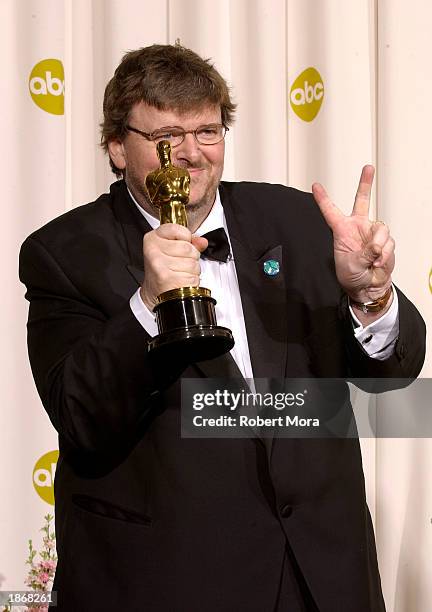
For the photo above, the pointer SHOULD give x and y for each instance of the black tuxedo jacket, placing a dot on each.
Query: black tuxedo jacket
(146, 520)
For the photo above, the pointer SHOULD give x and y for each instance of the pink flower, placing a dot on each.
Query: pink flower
(43, 577)
(48, 565)
(48, 543)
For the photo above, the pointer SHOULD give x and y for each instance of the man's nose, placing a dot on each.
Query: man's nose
(189, 150)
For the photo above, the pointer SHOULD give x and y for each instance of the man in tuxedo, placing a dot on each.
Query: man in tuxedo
(146, 519)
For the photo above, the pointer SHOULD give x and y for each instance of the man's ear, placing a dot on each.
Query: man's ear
(117, 154)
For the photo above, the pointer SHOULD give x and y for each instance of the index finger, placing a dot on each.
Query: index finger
(173, 231)
(362, 199)
(330, 211)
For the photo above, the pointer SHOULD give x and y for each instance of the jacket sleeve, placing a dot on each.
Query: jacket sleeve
(93, 373)
(409, 353)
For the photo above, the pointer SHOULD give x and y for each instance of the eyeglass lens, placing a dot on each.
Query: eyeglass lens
(205, 134)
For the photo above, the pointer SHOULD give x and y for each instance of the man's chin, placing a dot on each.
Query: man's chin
(195, 205)
(201, 198)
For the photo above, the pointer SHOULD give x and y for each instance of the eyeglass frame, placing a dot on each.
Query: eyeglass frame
(151, 138)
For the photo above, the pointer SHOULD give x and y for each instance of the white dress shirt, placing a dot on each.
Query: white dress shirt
(377, 339)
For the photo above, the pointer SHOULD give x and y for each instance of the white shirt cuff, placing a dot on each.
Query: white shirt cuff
(378, 339)
(143, 314)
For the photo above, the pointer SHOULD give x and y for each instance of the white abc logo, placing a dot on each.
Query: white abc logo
(48, 85)
(43, 477)
(307, 94)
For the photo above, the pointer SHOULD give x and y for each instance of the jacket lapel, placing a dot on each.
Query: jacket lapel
(263, 296)
(133, 225)
(137, 273)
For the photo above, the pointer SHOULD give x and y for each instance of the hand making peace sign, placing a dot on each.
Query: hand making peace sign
(363, 249)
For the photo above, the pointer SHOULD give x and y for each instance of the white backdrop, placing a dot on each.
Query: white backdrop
(372, 61)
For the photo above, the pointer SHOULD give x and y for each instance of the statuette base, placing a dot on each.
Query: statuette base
(187, 324)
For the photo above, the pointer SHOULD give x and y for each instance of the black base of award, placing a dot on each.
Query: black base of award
(187, 327)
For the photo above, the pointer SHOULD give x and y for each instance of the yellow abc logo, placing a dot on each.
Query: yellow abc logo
(46, 84)
(43, 476)
(307, 93)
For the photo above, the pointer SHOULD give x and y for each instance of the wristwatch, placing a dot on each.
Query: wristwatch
(375, 305)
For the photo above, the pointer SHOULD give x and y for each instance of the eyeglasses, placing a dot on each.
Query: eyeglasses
(204, 134)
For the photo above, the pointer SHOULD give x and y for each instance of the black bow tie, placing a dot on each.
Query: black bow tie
(218, 246)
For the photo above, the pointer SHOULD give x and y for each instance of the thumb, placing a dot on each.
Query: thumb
(199, 243)
(372, 252)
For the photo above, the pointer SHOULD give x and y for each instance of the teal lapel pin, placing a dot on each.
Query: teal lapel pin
(271, 267)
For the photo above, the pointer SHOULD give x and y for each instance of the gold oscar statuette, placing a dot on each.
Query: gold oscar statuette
(185, 317)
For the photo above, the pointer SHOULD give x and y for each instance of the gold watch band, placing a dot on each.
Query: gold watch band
(376, 305)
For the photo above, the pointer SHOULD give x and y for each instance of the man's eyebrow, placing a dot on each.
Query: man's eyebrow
(179, 127)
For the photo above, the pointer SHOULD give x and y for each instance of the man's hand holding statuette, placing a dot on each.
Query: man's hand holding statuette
(171, 260)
